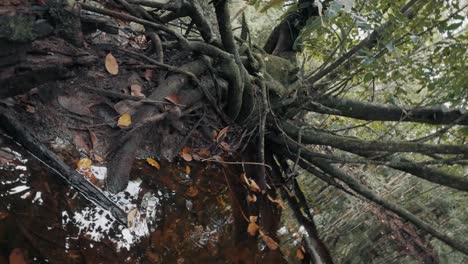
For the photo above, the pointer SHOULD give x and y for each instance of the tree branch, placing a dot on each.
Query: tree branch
(384, 112)
(354, 145)
(310, 158)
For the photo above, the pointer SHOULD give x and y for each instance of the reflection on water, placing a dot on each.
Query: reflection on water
(177, 214)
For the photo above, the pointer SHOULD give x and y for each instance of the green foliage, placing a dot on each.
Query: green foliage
(418, 60)
(263, 6)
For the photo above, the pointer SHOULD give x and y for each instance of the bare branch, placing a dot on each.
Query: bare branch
(355, 145)
(384, 112)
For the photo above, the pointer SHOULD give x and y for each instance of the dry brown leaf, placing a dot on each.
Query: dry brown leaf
(225, 146)
(81, 142)
(278, 202)
(135, 90)
(192, 191)
(153, 163)
(111, 64)
(153, 257)
(30, 109)
(271, 244)
(186, 156)
(93, 137)
(74, 105)
(299, 254)
(173, 98)
(131, 217)
(204, 153)
(187, 150)
(252, 229)
(253, 218)
(124, 120)
(222, 133)
(97, 157)
(196, 157)
(243, 178)
(148, 75)
(126, 106)
(3, 215)
(251, 198)
(253, 186)
(17, 257)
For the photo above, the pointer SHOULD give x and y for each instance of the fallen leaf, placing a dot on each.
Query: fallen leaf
(153, 257)
(251, 198)
(299, 254)
(148, 75)
(253, 186)
(6, 157)
(173, 98)
(196, 157)
(97, 157)
(93, 137)
(135, 90)
(187, 169)
(30, 109)
(186, 157)
(192, 191)
(252, 229)
(84, 163)
(3, 215)
(253, 218)
(187, 150)
(204, 153)
(124, 120)
(222, 133)
(111, 64)
(131, 217)
(126, 106)
(243, 178)
(153, 163)
(225, 146)
(74, 105)
(271, 244)
(17, 257)
(280, 203)
(81, 142)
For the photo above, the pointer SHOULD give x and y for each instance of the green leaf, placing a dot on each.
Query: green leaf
(453, 26)
(368, 77)
(390, 47)
(463, 131)
(272, 3)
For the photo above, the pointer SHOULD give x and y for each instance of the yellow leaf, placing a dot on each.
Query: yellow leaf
(271, 244)
(252, 229)
(84, 163)
(124, 120)
(153, 163)
(111, 64)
